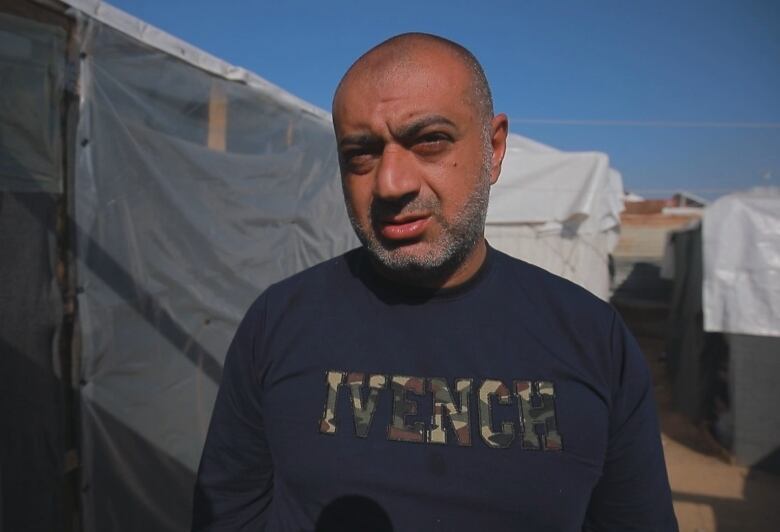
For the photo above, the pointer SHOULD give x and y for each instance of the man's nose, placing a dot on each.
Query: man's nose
(396, 175)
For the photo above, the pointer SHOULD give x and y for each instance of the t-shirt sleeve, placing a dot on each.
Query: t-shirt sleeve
(235, 478)
(633, 492)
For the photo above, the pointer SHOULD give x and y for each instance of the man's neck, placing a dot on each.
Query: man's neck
(448, 278)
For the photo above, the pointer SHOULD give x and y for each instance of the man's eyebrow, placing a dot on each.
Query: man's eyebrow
(410, 130)
(359, 139)
(406, 131)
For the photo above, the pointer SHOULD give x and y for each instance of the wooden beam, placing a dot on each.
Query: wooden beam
(217, 138)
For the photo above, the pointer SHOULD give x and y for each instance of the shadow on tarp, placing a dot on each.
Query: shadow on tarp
(32, 399)
(104, 266)
(122, 283)
(154, 489)
(31, 447)
(113, 274)
(155, 493)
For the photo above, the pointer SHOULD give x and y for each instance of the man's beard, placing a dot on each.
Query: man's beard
(456, 240)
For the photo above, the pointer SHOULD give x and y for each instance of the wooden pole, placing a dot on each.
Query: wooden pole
(217, 137)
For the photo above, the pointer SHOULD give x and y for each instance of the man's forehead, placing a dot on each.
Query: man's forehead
(426, 73)
(396, 107)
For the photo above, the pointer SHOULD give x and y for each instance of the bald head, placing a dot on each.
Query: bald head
(418, 149)
(403, 51)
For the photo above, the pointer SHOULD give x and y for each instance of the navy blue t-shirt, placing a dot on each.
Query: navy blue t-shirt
(516, 401)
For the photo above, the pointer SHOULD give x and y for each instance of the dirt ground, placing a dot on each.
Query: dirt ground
(711, 494)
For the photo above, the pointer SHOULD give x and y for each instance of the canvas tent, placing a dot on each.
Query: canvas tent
(148, 192)
(723, 338)
(741, 235)
(178, 187)
(558, 210)
(741, 299)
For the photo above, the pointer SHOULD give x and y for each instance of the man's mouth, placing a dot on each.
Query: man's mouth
(407, 227)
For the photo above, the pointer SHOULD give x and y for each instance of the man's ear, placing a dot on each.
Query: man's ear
(499, 129)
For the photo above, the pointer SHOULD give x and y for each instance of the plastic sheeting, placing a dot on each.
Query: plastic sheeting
(580, 258)
(31, 394)
(558, 210)
(185, 52)
(741, 234)
(542, 185)
(32, 77)
(32, 399)
(193, 193)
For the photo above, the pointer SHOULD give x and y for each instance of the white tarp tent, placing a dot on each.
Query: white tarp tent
(194, 185)
(724, 327)
(741, 235)
(741, 298)
(558, 210)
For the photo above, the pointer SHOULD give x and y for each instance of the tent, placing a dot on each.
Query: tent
(741, 299)
(723, 338)
(558, 210)
(149, 193)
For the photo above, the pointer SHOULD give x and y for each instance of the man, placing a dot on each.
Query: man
(425, 381)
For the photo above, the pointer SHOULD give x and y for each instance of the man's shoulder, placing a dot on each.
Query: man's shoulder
(548, 290)
(319, 284)
(320, 280)
(327, 270)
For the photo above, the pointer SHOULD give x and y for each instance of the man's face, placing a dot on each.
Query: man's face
(415, 162)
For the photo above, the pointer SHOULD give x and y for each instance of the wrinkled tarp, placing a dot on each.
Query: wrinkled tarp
(32, 64)
(741, 234)
(558, 210)
(174, 241)
(32, 77)
(176, 48)
(31, 394)
(542, 185)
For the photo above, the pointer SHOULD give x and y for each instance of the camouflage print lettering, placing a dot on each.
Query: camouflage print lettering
(333, 379)
(363, 411)
(536, 403)
(443, 404)
(402, 407)
(504, 437)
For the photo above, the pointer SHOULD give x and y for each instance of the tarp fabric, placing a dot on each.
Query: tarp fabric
(32, 78)
(193, 194)
(741, 234)
(32, 66)
(558, 210)
(31, 394)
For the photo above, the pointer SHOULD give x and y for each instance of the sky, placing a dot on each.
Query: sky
(681, 95)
